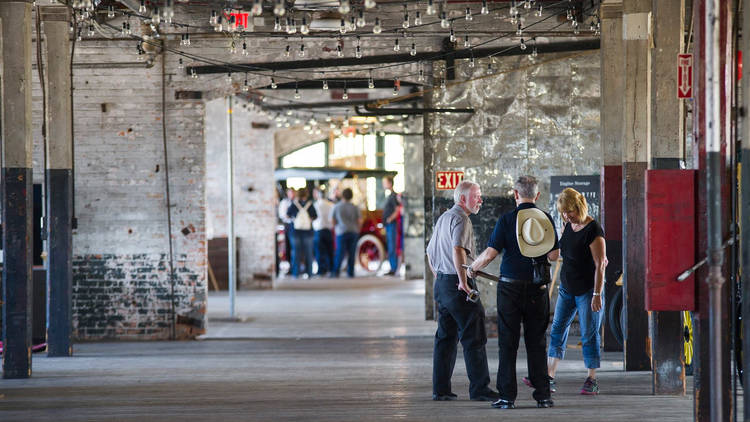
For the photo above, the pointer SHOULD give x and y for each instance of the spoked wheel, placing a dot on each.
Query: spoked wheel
(370, 253)
(615, 316)
(687, 337)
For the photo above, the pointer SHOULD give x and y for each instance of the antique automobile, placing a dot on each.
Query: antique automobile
(371, 250)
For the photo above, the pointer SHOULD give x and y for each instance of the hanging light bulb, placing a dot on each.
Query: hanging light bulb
(125, 31)
(430, 7)
(287, 51)
(469, 16)
(467, 41)
(471, 62)
(213, 20)
(512, 10)
(345, 95)
(489, 67)
(155, 16)
(569, 14)
(277, 24)
(304, 28)
(344, 7)
(180, 64)
(420, 78)
(193, 74)
(396, 84)
(405, 23)
(442, 83)
(245, 51)
(229, 78)
(291, 27)
(358, 52)
(296, 93)
(128, 31)
(485, 10)
(369, 4)
(523, 44)
(325, 85)
(273, 83)
(91, 31)
(339, 51)
(575, 27)
(370, 82)
(539, 10)
(452, 36)
(444, 22)
(278, 8)
(376, 29)
(168, 12)
(519, 29)
(361, 19)
(142, 7)
(352, 24)
(302, 50)
(417, 18)
(110, 11)
(413, 50)
(233, 48)
(527, 4)
(245, 86)
(396, 46)
(342, 26)
(534, 53)
(257, 8)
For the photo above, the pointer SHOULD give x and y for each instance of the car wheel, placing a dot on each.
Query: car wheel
(370, 253)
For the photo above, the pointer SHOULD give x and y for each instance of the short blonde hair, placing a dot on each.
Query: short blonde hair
(572, 200)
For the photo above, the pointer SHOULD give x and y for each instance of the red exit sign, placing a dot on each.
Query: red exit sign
(448, 180)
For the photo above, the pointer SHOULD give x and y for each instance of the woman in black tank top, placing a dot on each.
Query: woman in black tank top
(584, 257)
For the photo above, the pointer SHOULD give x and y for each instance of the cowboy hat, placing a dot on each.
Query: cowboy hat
(535, 233)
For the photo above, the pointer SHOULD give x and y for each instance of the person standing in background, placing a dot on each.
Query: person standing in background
(391, 215)
(287, 222)
(302, 214)
(347, 220)
(323, 240)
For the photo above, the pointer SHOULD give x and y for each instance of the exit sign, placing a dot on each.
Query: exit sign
(448, 180)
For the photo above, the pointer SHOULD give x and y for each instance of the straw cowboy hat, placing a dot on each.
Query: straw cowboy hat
(534, 232)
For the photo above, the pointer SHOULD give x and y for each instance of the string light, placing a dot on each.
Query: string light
(325, 85)
(245, 51)
(344, 7)
(576, 31)
(339, 52)
(467, 41)
(369, 4)
(218, 27)
(396, 46)
(418, 18)
(523, 44)
(534, 53)
(277, 24)
(539, 11)
(396, 84)
(420, 78)
(452, 35)
(345, 95)
(376, 29)
(352, 25)
(444, 20)
(512, 11)
(91, 31)
(257, 8)
(180, 64)
(405, 23)
(469, 16)
(304, 28)
(361, 22)
(110, 11)
(246, 86)
(370, 81)
(358, 49)
(413, 50)
(442, 83)
(527, 4)
(302, 49)
(125, 32)
(291, 27)
(229, 78)
(519, 29)
(155, 16)
(142, 7)
(342, 26)
(288, 51)
(471, 62)
(431, 7)
(193, 74)
(485, 10)
(278, 8)
(297, 96)
(273, 83)
(168, 12)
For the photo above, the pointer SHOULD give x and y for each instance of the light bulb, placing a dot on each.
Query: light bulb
(358, 52)
(527, 4)
(257, 8)
(213, 20)
(352, 25)
(110, 11)
(325, 85)
(296, 93)
(489, 67)
(369, 4)
(471, 62)
(361, 19)
(469, 16)
(420, 78)
(155, 16)
(513, 10)
(233, 48)
(395, 87)
(467, 41)
(344, 7)
(304, 28)
(193, 74)
(292, 27)
(430, 7)
(370, 83)
(418, 18)
(442, 83)
(345, 95)
(534, 53)
(245, 86)
(125, 32)
(339, 52)
(277, 24)
(219, 25)
(405, 23)
(342, 26)
(485, 10)
(180, 64)
(273, 84)
(302, 50)
(287, 51)
(396, 46)
(523, 44)
(444, 20)
(142, 7)
(91, 31)
(278, 8)
(229, 78)
(519, 29)
(413, 50)
(569, 15)
(376, 29)
(245, 51)
(128, 32)
(452, 35)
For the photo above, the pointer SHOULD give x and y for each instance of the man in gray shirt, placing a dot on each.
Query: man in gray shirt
(347, 219)
(458, 319)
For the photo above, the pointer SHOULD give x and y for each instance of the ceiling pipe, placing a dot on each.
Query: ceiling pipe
(330, 104)
(340, 84)
(466, 53)
(408, 111)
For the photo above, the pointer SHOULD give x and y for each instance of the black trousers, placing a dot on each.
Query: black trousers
(458, 320)
(519, 303)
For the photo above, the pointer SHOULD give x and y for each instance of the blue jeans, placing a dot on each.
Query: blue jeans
(323, 245)
(391, 237)
(565, 311)
(346, 244)
(302, 244)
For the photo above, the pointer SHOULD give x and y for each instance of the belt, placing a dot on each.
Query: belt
(514, 280)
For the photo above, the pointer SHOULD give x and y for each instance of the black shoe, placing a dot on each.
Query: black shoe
(503, 404)
(488, 395)
(545, 403)
(444, 397)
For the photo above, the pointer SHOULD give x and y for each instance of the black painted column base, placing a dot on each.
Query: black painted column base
(17, 272)
(59, 262)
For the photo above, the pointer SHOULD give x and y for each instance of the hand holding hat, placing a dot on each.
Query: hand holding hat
(535, 233)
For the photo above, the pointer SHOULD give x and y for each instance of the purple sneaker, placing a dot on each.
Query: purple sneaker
(590, 387)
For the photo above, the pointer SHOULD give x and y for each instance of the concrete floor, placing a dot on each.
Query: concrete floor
(322, 352)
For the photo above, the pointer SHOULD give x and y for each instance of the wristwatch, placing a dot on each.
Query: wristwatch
(597, 294)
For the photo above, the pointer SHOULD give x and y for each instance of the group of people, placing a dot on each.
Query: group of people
(528, 241)
(310, 226)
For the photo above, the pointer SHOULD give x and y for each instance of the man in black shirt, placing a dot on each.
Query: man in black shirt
(390, 221)
(518, 299)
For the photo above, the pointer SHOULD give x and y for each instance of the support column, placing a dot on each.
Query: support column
(59, 182)
(667, 117)
(17, 188)
(744, 214)
(613, 85)
(430, 311)
(706, 366)
(635, 32)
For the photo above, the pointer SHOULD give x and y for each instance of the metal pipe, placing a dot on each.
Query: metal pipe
(715, 252)
(465, 53)
(230, 209)
(744, 216)
(408, 111)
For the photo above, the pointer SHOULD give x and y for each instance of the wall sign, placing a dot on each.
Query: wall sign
(589, 186)
(448, 180)
(684, 76)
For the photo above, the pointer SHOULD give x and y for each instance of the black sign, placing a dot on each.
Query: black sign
(589, 186)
